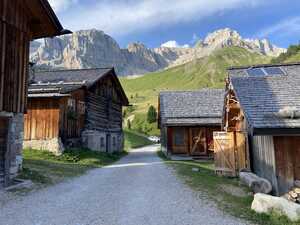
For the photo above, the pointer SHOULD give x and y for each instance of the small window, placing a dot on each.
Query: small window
(102, 142)
(274, 71)
(178, 137)
(256, 72)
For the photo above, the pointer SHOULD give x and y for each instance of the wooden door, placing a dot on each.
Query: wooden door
(179, 140)
(198, 144)
(224, 153)
(283, 147)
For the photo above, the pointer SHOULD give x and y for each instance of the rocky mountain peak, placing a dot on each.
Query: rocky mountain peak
(94, 48)
(222, 36)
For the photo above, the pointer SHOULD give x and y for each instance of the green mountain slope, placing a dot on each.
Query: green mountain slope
(209, 71)
(292, 55)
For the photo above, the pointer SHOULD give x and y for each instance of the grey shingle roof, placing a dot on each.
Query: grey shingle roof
(88, 75)
(60, 82)
(262, 97)
(192, 107)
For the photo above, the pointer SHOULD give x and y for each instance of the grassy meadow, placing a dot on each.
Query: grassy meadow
(207, 72)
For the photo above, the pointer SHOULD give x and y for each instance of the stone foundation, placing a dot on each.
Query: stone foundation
(15, 140)
(54, 145)
(103, 141)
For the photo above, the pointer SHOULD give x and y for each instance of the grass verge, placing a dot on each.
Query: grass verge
(135, 140)
(44, 168)
(227, 193)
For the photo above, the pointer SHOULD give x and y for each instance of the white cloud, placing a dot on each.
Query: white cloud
(119, 17)
(61, 5)
(284, 28)
(173, 44)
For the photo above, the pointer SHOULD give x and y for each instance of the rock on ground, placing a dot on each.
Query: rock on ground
(138, 190)
(255, 183)
(263, 203)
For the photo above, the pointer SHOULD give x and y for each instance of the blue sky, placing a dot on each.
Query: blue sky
(154, 22)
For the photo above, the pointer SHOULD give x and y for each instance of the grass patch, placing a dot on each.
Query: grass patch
(135, 140)
(44, 168)
(214, 187)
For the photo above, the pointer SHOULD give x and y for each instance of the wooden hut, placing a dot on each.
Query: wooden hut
(75, 108)
(21, 22)
(187, 120)
(262, 102)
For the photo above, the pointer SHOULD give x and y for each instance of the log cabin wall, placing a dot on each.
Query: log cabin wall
(103, 124)
(104, 107)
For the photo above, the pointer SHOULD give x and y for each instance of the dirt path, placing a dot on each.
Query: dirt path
(139, 189)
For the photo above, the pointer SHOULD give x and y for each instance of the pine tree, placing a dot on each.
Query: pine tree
(152, 114)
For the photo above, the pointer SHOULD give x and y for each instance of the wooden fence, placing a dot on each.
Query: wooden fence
(231, 153)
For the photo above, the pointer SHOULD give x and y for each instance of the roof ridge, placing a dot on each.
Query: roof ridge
(264, 65)
(193, 91)
(65, 70)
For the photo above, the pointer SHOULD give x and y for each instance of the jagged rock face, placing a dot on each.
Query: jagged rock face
(93, 48)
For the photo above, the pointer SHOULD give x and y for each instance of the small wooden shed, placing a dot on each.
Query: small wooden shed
(75, 108)
(187, 120)
(264, 105)
(20, 22)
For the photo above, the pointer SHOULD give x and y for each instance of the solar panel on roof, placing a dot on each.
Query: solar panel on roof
(274, 71)
(256, 72)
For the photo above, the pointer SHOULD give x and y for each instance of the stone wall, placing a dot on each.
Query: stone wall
(103, 141)
(54, 145)
(15, 143)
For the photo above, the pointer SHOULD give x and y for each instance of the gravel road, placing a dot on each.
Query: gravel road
(137, 190)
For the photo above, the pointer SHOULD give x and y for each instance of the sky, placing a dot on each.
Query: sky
(182, 22)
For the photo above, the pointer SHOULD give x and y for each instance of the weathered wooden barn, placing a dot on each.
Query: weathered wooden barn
(75, 107)
(187, 120)
(21, 22)
(264, 104)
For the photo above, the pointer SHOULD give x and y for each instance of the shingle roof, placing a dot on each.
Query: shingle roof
(60, 82)
(56, 76)
(192, 107)
(263, 97)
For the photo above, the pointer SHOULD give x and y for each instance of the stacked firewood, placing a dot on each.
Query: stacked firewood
(294, 195)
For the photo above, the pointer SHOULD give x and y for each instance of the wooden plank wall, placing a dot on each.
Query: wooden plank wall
(70, 128)
(14, 55)
(42, 119)
(287, 149)
(263, 158)
(230, 153)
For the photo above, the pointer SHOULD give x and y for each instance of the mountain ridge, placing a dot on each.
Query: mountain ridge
(94, 48)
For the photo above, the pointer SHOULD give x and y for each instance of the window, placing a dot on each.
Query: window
(102, 142)
(256, 72)
(81, 107)
(274, 71)
(178, 135)
(71, 104)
